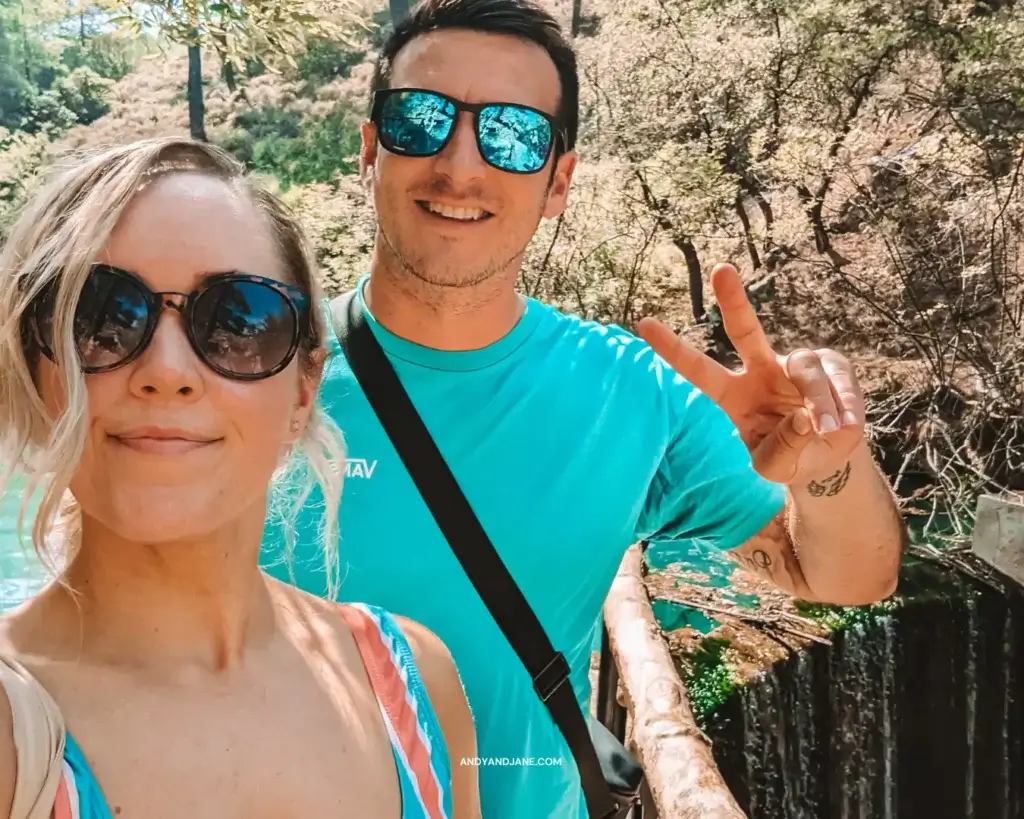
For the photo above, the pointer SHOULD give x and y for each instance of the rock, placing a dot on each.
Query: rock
(998, 537)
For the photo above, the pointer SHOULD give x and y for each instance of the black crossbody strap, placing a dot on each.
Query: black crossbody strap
(471, 545)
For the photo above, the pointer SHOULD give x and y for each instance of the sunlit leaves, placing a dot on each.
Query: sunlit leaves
(240, 31)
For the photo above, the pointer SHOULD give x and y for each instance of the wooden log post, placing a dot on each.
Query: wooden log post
(676, 755)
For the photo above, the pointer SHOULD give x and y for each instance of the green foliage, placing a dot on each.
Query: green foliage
(78, 97)
(49, 82)
(326, 60)
(296, 151)
(109, 57)
(83, 92)
(836, 618)
(239, 32)
(709, 680)
(17, 97)
(22, 156)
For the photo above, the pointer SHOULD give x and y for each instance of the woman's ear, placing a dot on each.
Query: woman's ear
(310, 374)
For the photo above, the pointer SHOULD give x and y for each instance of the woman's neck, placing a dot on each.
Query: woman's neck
(201, 604)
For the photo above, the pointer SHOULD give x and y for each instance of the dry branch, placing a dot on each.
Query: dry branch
(676, 755)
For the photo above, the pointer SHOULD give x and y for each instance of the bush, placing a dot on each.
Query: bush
(110, 57)
(16, 97)
(278, 142)
(22, 156)
(326, 60)
(83, 92)
(48, 114)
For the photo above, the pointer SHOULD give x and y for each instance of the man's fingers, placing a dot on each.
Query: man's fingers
(807, 373)
(739, 317)
(846, 390)
(777, 456)
(706, 374)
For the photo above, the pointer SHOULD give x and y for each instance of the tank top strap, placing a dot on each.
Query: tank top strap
(79, 795)
(416, 738)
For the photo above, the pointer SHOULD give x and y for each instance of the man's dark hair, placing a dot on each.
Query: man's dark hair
(516, 18)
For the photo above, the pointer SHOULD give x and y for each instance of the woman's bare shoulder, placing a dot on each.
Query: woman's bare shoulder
(433, 659)
(438, 671)
(431, 654)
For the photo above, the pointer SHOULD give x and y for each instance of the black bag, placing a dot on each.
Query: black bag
(610, 777)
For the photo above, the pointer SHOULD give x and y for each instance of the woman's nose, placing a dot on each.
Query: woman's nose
(168, 367)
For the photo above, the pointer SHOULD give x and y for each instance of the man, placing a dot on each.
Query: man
(571, 440)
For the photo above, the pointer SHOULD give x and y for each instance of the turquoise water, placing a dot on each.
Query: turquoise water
(716, 570)
(21, 573)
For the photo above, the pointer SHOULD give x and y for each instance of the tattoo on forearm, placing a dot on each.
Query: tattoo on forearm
(832, 485)
(757, 561)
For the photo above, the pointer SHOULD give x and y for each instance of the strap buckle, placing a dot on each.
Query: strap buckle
(549, 678)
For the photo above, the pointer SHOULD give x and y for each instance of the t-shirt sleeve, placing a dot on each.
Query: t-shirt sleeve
(705, 488)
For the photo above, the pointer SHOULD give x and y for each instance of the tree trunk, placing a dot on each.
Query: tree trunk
(696, 279)
(676, 755)
(24, 43)
(748, 237)
(399, 11)
(227, 68)
(754, 192)
(680, 240)
(196, 109)
(228, 73)
(577, 16)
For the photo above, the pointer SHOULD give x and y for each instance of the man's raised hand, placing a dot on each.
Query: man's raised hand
(801, 415)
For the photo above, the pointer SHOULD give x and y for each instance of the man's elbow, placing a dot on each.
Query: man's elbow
(863, 594)
(867, 588)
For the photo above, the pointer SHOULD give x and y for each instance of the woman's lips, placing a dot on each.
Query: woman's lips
(162, 446)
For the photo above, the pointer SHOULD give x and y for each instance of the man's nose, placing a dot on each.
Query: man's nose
(461, 159)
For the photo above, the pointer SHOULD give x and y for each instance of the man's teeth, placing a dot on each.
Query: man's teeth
(463, 214)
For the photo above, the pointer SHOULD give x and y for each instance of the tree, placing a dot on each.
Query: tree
(399, 10)
(235, 31)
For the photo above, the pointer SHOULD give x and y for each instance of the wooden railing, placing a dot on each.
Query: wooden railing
(682, 777)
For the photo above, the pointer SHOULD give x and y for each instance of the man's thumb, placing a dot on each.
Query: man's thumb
(777, 456)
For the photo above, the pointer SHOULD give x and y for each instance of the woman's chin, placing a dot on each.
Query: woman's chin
(159, 515)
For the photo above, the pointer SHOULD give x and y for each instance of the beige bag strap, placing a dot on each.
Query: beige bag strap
(39, 734)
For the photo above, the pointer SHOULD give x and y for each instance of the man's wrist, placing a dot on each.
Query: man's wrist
(834, 483)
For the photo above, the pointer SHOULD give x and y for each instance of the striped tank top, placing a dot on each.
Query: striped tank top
(417, 744)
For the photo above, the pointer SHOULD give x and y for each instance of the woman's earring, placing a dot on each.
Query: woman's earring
(295, 426)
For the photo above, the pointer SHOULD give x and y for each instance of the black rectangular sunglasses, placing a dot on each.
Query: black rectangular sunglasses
(417, 122)
(243, 327)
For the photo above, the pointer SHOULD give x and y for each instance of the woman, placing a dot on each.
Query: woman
(160, 344)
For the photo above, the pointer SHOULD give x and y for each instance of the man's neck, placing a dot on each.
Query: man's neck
(443, 318)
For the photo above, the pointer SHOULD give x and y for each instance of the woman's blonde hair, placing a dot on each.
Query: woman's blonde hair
(58, 236)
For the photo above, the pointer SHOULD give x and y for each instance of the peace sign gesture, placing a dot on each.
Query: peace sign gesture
(801, 415)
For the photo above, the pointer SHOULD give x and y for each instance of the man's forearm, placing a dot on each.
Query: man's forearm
(847, 533)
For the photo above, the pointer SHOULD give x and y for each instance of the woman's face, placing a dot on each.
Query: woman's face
(174, 450)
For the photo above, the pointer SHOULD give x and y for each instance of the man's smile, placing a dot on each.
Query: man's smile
(452, 213)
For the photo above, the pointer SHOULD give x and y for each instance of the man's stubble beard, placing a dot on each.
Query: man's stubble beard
(419, 268)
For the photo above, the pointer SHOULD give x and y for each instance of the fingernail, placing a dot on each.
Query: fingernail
(828, 424)
(849, 419)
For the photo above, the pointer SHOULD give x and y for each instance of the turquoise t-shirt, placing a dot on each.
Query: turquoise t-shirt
(572, 441)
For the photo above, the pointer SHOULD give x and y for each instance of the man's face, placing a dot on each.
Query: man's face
(429, 208)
